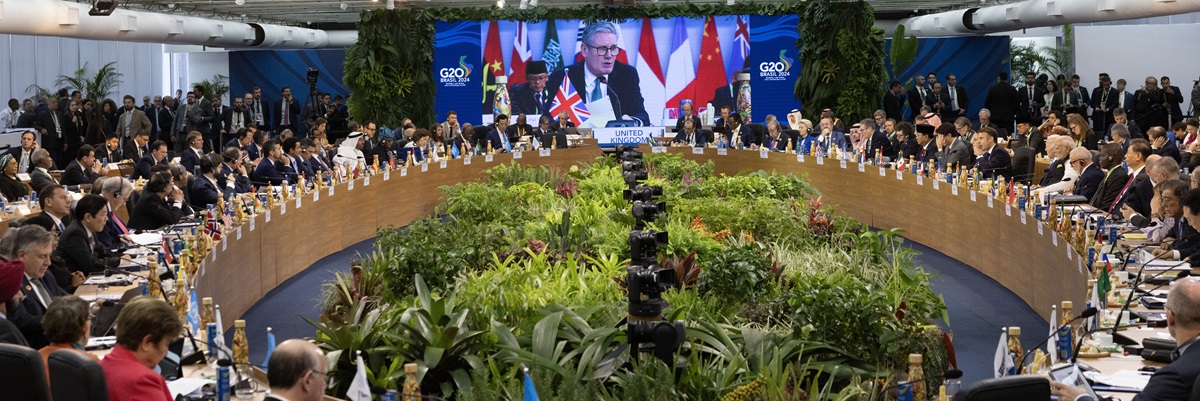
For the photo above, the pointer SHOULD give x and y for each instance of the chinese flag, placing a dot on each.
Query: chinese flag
(710, 71)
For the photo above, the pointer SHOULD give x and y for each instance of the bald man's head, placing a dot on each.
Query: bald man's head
(297, 367)
(1183, 305)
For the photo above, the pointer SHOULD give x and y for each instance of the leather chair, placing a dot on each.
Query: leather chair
(24, 375)
(759, 130)
(1024, 163)
(1025, 387)
(78, 377)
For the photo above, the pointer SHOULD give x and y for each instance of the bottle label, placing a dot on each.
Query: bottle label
(904, 391)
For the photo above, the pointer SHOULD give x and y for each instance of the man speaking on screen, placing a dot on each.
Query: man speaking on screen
(610, 89)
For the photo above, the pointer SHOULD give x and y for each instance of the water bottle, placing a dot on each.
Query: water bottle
(222, 378)
(904, 391)
(145, 287)
(390, 395)
(953, 383)
(212, 342)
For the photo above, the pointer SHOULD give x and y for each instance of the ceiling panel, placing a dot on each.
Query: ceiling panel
(324, 12)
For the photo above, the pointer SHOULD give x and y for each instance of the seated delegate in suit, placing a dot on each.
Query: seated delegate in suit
(1165, 223)
(10, 186)
(877, 141)
(497, 139)
(56, 208)
(562, 122)
(691, 135)
(1174, 381)
(24, 153)
(927, 140)
(1138, 191)
(66, 323)
(182, 179)
(775, 140)
(147, 327)
(829, 138)
(310, 153)
(274, 169)
(953, 152)
(82, 170)
(244, 140)
(39, 176)
(601, 77)
(205, 189)
(686, 114)
(415, 149)
(297, 365)
(516, 129)
(11, 274)
(190, 157)
(233, 176)
(992, 161)
(116, 191)
(1090, 174)
(738, 135)
(1162, 145)
(1116, 176)
(1060, 148)
(161, 204)
(292, 150)
(32, 246)
(909, 147)
(157, 155)
(77, 246)
(111, 151)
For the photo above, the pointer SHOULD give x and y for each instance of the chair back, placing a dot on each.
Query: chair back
(759, 130)
(24, 375)
(74, 376)
(1024, 163)
(1025, 387)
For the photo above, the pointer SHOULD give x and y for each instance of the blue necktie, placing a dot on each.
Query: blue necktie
(596, 92)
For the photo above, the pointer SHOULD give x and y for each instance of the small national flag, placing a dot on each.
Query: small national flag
(1052, 344)
(193, 311)
(567, 99)
(1103, 286)
(530, 391)
(360, 389)
(220, 326)
(1003, 361)
(454, 151)
(1094, 321)
(270, 347)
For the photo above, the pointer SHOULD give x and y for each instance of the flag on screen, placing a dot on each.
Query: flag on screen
(623, 57)
(493, 66)
(270, 347)
(649, 69)
(360, 389)
(741, 46)
(710, 71)
(520, 55)
(1003, 360)
(567, 99)
(1052, 344)
(680, 66)
(551, 50)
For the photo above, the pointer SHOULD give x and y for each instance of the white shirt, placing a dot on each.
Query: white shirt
(590, 80)
(57, 221)
(43, 299)
(8, 117)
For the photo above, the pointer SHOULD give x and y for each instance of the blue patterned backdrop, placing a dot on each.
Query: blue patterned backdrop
(271, 70)
(975, 62)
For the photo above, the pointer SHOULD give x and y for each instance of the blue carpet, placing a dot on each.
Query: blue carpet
(299, 297)
(978, 307)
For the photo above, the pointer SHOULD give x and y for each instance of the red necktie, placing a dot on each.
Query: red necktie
(120, 224)
(1122, 194)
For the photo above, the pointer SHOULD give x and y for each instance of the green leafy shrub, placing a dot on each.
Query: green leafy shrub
(673, 167)
(756, 184)
(434, 249)
(511, 174)
(736, 274)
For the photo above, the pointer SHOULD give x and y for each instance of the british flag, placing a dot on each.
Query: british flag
(569, 100)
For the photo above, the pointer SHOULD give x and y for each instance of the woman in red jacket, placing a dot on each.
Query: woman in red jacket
(144, 329)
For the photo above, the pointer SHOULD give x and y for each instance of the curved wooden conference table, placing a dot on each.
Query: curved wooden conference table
(259, 255)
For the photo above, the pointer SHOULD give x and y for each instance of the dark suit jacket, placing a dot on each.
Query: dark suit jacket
(523, 100)
(44, 220)
(16, 155)
(493, 138)
(10, 334)
(1106, 100)
(143, 166)
(745, 136)
(516, 131)
(893, 105)
(701, 137)
(944, 112)
(293, 115)
(152, 213)
(76, 175)
(779, 144)
(39, 180)
(74, 249)
(995, 163)
(190, 160)
(203, 193)
(1169, 150)
(1089, 181)
(1031, 107)
(1003, 101)
(879, 142)
(964, 100)
(1109, 188)
(29, 316)
(1174, 381)
(1139, 194)
(624, 89)
(110, 236)
(915, 101)
(51, 140)
(273, 173)
(695, 123)
(102, 155)
(1058, 168)
(265, 107)
(1174, 100)
(227, 118)
(131, 151)
(910, 149)
(241, 183)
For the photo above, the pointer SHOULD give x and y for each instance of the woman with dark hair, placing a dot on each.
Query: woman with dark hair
(145, 327)
(98, 129)
(109, 108)
(11, 187)
(161, 204)
(66, 323)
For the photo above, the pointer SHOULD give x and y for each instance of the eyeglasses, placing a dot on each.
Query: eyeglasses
(1074, 162)
(605, 51)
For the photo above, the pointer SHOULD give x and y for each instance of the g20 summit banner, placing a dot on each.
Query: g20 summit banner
(643, 71)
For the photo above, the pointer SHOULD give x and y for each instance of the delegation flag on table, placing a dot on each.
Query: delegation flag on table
(1094, 321)
(530, 391)
(220, 326)
(520, 55)
(551, 50)
(270, 347)
(1003, 361)
(193, 311)
(1052, 344)
(360, 389)
(1102, 283)
(649, 69)
(680, 67)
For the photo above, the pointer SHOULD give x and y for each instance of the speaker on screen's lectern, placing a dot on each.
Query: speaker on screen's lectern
(621, 124)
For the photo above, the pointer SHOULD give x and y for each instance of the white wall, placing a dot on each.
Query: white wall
(199, 66)
(41, 59)
(1134, 52)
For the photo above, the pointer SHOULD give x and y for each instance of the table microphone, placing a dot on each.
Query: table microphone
(196, 357)
(1137, 282)
(1087, 313)
(1079, 343)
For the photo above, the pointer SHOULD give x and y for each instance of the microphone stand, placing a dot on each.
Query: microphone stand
(1087, 313)
(1079, 343)
(196, 356)
(1133, 286)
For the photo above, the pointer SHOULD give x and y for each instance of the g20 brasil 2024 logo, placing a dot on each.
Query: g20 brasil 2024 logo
(456, 76)
(776, 70)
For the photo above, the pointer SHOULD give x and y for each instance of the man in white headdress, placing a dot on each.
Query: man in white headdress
(349, 153)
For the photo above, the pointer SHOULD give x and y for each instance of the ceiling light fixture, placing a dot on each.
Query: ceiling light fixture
(499, 3)
(240, 2)
(524, 5)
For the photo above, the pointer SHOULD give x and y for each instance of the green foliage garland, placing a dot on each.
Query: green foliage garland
(390, 69)
(842, 53)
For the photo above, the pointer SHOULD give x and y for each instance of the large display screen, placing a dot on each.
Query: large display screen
(644, 71)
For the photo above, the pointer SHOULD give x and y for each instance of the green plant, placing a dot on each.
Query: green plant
(95, 87)
(348, 288)
(215, 87)
(843, 57)
(363, 330)
(507, 175)
(435, 249)
(390, 68)
(513, 291)
(673, 167)
(736, 274)
(436, 335)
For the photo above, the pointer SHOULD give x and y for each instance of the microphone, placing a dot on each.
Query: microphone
(1087, 313)
(1182, 274)
(1079, 342)
(1137, 281)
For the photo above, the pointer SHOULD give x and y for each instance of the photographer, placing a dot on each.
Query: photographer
(1149, 105)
